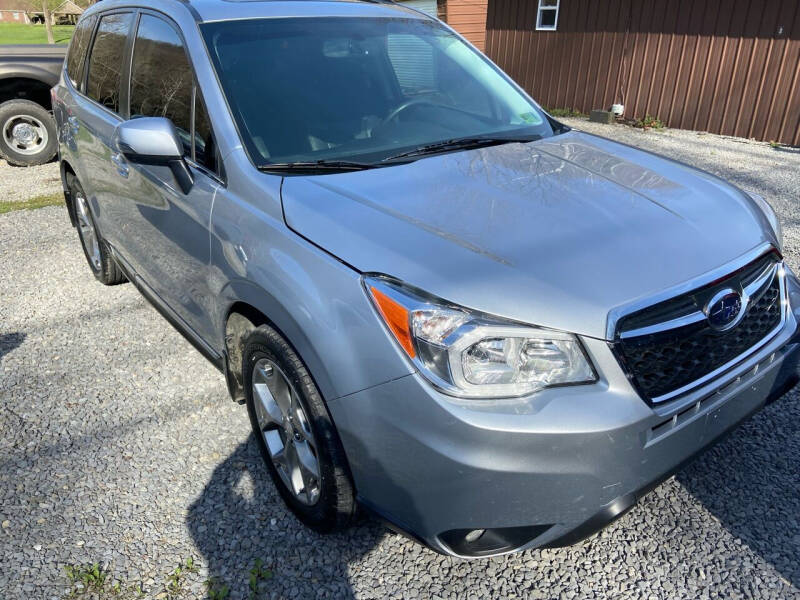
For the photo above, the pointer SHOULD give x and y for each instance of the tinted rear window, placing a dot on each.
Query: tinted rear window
(77, 50)
(105, 61)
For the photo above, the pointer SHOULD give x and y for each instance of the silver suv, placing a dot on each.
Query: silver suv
(436, 301)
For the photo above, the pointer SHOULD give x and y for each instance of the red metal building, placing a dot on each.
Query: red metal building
(724, 66)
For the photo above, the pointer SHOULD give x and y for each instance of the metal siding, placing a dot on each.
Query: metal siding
(711, 65)
(468, 17)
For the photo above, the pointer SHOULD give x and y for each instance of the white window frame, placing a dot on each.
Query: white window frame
(539, 26)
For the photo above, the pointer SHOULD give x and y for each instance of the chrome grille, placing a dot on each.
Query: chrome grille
(669, 348)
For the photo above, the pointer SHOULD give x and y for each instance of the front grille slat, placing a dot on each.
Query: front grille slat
(663, 363)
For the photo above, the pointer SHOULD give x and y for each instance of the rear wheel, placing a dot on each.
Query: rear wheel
(27, 133)
(295, 434)
(102, 264)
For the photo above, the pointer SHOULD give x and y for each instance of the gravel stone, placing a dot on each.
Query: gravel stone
(22, 183)
(120, 446)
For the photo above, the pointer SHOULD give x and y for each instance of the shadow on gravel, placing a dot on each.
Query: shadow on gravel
(750, 482)
(239, 518)
(10, 342)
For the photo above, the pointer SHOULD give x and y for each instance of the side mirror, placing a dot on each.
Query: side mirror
(154, 141)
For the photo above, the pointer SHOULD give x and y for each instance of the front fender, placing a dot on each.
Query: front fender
(315, 301)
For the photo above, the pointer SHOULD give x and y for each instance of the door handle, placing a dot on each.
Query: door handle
(119, 162)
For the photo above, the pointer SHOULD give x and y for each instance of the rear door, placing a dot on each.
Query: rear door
(166, 237)
(96, 115)
(66, 109)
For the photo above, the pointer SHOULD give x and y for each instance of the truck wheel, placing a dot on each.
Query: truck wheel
(295, 434)
(27, 133)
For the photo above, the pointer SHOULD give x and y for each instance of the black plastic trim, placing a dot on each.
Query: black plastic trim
(491, 542)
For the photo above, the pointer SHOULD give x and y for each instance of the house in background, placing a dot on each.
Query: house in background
(21, 11)
(66, 13)
(14, 11)
(724, 66)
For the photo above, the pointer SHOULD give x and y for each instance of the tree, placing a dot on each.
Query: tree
(45, 7)
(48, 23)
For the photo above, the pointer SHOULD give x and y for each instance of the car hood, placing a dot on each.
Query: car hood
(556, 233)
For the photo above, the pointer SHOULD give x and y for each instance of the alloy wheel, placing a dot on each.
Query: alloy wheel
(88, 232)
(286, 430)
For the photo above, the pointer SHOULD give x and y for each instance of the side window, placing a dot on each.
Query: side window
(204, 151)
(77, 50)
(161, 76)
(105, 61)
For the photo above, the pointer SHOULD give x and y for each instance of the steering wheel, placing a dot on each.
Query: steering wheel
(406, 105)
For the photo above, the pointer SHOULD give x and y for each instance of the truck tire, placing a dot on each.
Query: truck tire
(27, 133)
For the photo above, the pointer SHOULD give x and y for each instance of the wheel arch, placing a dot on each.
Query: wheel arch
(30, 85)
(250, 308)
(67, 174)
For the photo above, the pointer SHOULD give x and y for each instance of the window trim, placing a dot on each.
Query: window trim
(190, 159)
(540, 8)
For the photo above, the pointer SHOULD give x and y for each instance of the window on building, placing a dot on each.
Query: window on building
(547, 16)
(105, 62)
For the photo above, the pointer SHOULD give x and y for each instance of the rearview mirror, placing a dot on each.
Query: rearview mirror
(154, 141)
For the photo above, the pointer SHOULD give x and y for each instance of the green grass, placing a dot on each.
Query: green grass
(649, 122)
(37, 202)
(566, 112)
(21, 33)
(86, 579)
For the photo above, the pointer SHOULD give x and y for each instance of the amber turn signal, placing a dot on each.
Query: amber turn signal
(396, 317)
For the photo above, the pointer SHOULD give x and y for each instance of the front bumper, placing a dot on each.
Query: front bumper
(546, 470)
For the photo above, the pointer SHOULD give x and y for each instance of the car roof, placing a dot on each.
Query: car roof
(225, 10)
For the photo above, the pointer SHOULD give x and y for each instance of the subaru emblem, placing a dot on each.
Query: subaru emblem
(724, 310)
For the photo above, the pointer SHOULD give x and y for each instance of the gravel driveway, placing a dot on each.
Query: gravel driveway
(23, 183)
(119, 446)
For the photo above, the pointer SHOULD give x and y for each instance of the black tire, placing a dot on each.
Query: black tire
(45, 146)
(336, 506)
(107, 271)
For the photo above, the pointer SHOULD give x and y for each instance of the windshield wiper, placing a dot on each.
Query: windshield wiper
(465, 143)
(317, 165)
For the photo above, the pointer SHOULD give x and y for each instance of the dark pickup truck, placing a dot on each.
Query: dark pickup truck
(28, 133)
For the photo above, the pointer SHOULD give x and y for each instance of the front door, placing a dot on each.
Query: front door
(166, 235)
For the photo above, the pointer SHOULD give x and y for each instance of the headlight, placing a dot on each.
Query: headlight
(769, 212)
(474, 355)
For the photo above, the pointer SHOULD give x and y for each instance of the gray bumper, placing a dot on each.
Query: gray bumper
(547, 470)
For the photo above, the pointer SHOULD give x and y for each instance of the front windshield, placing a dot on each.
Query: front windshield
(360, 89)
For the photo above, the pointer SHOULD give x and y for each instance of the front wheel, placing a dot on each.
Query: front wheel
(295, 434)
(27, 133)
